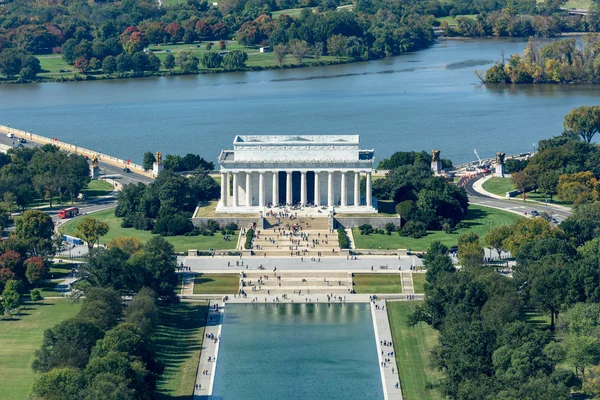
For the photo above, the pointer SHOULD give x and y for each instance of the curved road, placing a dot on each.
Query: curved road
(515, 205)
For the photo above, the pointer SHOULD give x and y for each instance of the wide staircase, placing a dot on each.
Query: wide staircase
(299, 237)
(290, 282)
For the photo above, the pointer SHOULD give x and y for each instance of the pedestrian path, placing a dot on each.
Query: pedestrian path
(187, 284)
(207, 367)
(407, 283)
(390, 378)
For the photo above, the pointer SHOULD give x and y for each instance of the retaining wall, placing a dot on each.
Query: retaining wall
(376, 222)
(242, 222)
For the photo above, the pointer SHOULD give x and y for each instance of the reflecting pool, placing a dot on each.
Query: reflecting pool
(297, 351)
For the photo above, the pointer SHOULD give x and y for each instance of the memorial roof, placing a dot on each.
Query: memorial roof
(296, 139)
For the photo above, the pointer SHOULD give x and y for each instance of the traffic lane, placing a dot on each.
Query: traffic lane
(101, 203)
(519, 206)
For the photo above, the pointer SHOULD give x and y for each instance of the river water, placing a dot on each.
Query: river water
(425, 100)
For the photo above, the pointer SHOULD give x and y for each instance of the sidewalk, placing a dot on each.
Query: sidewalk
(210, 348)
(392, 389)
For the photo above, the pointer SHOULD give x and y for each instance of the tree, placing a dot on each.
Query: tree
(35, 270)
(124, 63)
(584, 224)
(11, 296)
(149, 160)
(548, 183)
(106, 268)
(109, 65)
(522, 181)
(67, 345)
(583, 351)
(143, 312)
(101, 307)
(210, 59)
(470, 252)
(548, 283)
(59, 384)
(235, 60)
(496, 237)
(280, 51)
(90, 230)
(10, 62)
(109, 386)
(95, 64)
(169, 62)
(187, 61)
(336, 45)
(578, 188)
(128, 245)
(584, 121)
(36, 295)
(317, 50)
(299, 49)
(82, 64)
(36, 229)
(529, 230)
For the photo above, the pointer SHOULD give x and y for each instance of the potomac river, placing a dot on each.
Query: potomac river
(419, 101)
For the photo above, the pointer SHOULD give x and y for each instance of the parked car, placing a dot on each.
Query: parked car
(535, 213)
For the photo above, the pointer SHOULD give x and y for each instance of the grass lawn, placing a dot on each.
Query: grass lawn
(498, 186)
(477, 220)
(583, 4)
(412, 347)
(216, 283)
(533, 316)
(452, 20)
(377, 283)
(95, 189)
(20, 338)
(418, 282)
(181, 243)
(292, 12)
(179, 339)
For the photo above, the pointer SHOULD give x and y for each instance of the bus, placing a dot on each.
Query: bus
(68, 212)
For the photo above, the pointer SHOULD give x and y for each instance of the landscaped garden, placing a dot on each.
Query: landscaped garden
(216, 283)
(412, 347)
(479, 219)
(377, 283)
(20, 337)
(181, 243)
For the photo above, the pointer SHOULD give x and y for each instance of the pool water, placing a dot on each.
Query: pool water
(297, 351)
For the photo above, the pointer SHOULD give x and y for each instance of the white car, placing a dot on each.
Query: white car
(10, 135)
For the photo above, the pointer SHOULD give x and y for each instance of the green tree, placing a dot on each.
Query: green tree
(90, 230)
(584, 121)
(36, 295)
(124, 63)
(101, 307)
(187, 61)
(583, 352)
(109, 65)
(109, 386)
(142, 311)
(583, 224)
(299, 49)
(59, 384)
(235, 60)
(527, 230)
(107, 268)
(336, 45)
(210, 59)
(548, 284)
(36, 229)
(280, 51)
(169, 62)
(10, 62)
(149, 160)
(11, 296)
(548, 183)
(496, 237)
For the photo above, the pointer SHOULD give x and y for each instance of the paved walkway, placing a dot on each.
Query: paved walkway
(407, 283)
(387, 361)
(205, 377)
(187, 284)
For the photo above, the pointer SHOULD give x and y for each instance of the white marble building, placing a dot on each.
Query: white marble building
(306, 170)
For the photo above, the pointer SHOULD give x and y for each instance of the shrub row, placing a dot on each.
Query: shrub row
(249, 237)
(343, 239)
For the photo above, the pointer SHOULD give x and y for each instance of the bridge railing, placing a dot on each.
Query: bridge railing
(75, 149)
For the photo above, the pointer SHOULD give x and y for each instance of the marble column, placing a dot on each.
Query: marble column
(330, 190)
(235, 189)
(357, 188)
(248, 189)
(223, 189)
(275, 199)
(261, 189)
(288, 188)
(368, 194)
(227, 188)
(303, 188)
(344, 199)
(317, 193)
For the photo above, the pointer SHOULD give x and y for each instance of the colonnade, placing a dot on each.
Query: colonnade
(341, 186)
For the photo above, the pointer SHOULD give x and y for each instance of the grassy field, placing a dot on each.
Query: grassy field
(20, 338)
(498, 186)
(477, 220)
(181, 243)
(583, 4)
(418, 282)
(216, 283)
(377, 283)
(412, 347)
(452, 20)
(95, 189)
(178, 345)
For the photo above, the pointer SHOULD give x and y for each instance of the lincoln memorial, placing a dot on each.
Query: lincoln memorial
(306, 171)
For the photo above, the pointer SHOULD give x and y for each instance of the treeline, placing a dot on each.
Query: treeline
(105, 352)
(45, 172)
(400, 158)
(165, 206)
(509, 23)
(568, 165)
(564, 61)
(423, 201)
(176, 163)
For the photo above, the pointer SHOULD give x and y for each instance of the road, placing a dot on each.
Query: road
(515, 205)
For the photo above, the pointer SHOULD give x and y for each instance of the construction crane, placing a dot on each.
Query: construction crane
(479, 159)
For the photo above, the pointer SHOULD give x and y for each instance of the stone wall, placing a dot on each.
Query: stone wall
(242, 222)
(376, 222)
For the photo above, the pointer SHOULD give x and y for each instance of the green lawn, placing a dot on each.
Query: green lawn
(292, 12)
(452, 20)
(95, 189)
(418, 282)
(412, 347)
(178, 341)
(181, 243)
(583, 4)
(21, 337)
(377, 283)
(216, 283)
(498, 186)
(477, 220)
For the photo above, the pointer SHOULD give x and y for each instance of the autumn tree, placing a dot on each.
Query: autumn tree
(35, 269)
(584, 121)
(496, 238)
(90, 230)
(578, 188)
(280, 51)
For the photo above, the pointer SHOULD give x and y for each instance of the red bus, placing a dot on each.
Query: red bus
(68, 212)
